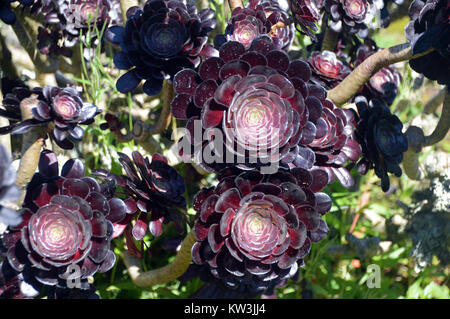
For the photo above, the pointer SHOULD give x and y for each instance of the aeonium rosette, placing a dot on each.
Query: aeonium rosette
(59, 111)
(253, 230)
(153, 192)
(248, 97)
(327, 69)
(256, 109)
(259, 17)
(159, 40)
(351, 15)
(66, 229)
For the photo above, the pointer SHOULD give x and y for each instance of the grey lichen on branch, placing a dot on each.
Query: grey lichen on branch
(363, 72)
(417, 140)
(164, 274)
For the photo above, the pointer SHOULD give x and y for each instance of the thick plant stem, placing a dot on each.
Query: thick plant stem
(235, 4)
(359, 76)
(164, 274)
(32, 143)
(443, 125)
(417, 140)
(166, 116)
(330, 40)
(434, 102)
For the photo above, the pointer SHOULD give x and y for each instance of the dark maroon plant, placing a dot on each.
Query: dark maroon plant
(265, 107)
(383, 143)
(327, 69)
(350, 15)
(429, 28)
(66, 230)
(254, 230)
(335, 143)
(67, 20)
(9, 192)
(259, 17)
(60, 111)
(158, 41)
(154, 194)
(306, 14)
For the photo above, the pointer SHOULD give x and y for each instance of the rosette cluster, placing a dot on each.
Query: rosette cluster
(60, 111)
(65, 20)
(257, 107)
(253, 230)
(429, 28)
(159, 40)
(259, 17)
(153, 192)
(327, 69)
(383, 143)
(352, 16)
(66, 230)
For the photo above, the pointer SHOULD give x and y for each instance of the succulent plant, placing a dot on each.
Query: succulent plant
(429, 28)
(67, 20)
(66, 230)
(306, 14)
(9, 192)
(58, 110)
(253, 230)
(264, 105)
(350, 15)
(259, 17)
(327, 69)
(154, 194)
(6, 14)
(158, 41)
(380, 134)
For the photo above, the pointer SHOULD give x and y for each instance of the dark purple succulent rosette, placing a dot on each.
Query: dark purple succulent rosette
(154, 194)
(66, 228)
(380, 135)
(429, 28)
(158, 41)
(248, 95)
(9, 192)
(265, 107)
(327, 69)
(306, 14)
(255, 229)
(350, 15)
(65, 20)
(59, 110)
(6, 14)
(259, 17)
(335, 146)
